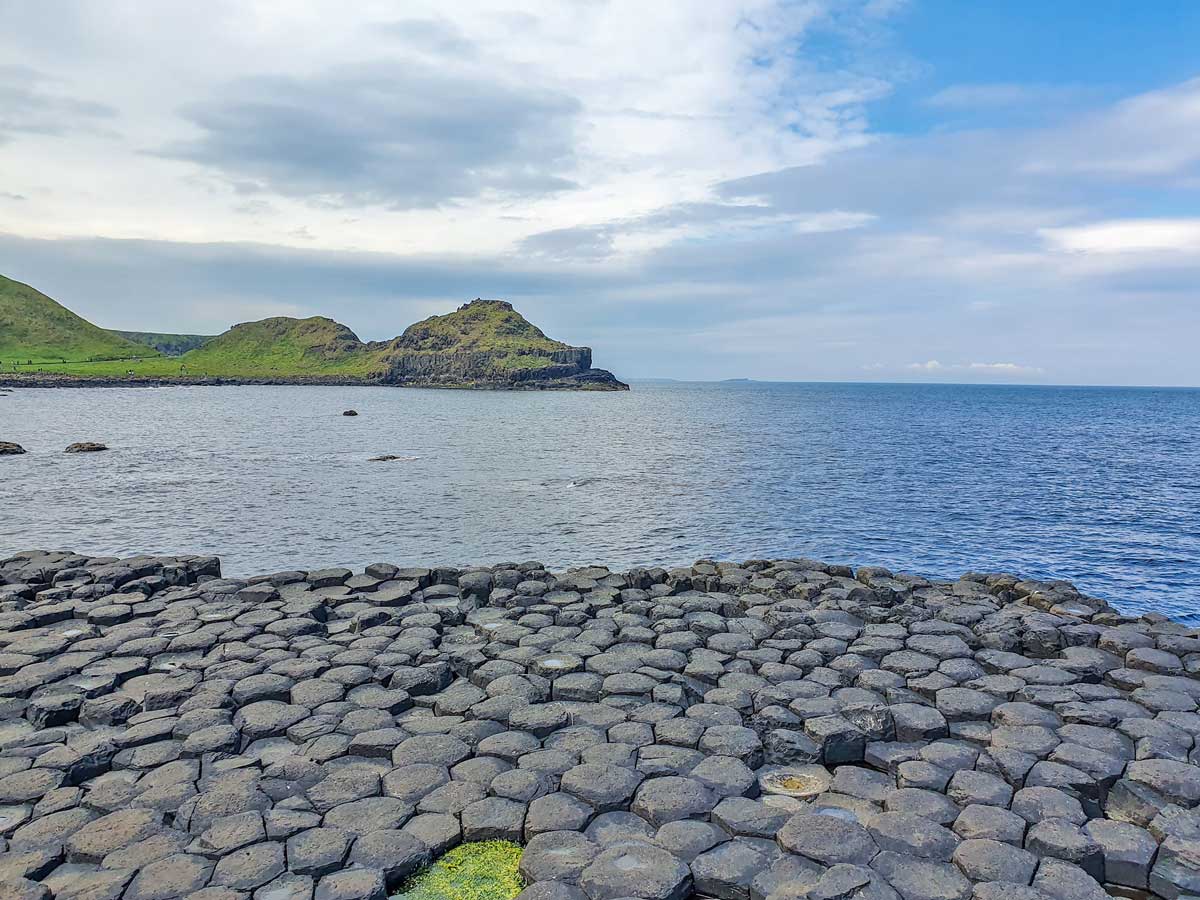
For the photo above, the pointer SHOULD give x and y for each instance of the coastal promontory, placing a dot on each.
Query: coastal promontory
(484, 344)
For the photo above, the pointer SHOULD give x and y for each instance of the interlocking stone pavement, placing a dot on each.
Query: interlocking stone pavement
(769, 730)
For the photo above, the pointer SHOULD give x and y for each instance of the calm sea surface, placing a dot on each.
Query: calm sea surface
(1099, 486)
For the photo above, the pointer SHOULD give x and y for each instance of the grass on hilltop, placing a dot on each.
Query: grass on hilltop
(484, 325)
(486, 870)
(282, 346)
(271, 348)
(35, 328)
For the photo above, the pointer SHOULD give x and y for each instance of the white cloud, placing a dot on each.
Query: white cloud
(1155, 134)
(1005, 368)
(977, 368)
(1127, 236)
(430, 120)
(976, 97)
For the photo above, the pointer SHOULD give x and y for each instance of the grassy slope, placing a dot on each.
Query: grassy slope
(485, 326)
(281, 346)
(168, 344)
(271, 348)
(32, 326)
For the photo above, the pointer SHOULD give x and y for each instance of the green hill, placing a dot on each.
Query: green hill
(486, 325)
(34, 327)
(166, 344)
(282, 347)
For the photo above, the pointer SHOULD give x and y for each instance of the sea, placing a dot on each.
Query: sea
(1099, 486)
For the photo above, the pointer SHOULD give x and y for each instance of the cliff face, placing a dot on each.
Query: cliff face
(486, 343)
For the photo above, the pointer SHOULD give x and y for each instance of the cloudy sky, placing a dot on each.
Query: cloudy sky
(788, 189)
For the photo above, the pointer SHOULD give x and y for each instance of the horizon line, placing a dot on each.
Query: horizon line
(1026, 384)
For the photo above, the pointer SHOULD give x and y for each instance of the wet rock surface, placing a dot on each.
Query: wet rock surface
(770, 730)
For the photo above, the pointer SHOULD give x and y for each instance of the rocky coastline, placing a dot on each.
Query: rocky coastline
(587, 380)
(770, 730)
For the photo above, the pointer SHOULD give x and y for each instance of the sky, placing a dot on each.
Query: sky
(851, 190)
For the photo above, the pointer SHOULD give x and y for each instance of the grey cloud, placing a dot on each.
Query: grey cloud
(597, 241)
(436, 36)
(106, 278)
(406, 135)
(910, 176)
(583, 242)
(31, 104)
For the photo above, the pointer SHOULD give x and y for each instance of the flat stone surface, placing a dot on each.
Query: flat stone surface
(175, 876)
(920, 879)
(557, 856)
(989, 860)
(913, 835)
(102, 836)
(636, 870)
(661, 800)
(827, 840)
(727, 871)
(250, 867)
(769, 729)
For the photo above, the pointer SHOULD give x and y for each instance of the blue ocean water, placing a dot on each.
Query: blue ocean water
(1096, 485)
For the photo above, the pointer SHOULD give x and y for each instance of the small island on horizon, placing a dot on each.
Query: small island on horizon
(483, 345)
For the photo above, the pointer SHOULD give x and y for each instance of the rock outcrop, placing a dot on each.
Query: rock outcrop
(772, 730)
(486, 343)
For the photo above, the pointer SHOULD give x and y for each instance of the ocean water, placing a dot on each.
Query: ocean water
(1099, 486)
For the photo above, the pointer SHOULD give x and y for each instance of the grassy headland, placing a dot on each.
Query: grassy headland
(485, 343)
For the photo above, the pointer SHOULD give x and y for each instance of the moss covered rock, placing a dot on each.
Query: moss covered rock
(485, 870)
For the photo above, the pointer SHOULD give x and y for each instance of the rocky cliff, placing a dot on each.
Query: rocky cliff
(486, 343)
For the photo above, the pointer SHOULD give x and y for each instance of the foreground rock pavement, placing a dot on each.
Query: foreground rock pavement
(772, 730)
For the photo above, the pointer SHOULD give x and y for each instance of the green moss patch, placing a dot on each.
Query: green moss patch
(486, 870)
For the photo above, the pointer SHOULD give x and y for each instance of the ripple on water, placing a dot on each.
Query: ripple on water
(1099, 486)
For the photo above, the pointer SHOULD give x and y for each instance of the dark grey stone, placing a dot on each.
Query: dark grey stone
(636, 870)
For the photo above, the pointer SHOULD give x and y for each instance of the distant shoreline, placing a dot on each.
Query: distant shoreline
(75, 381)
